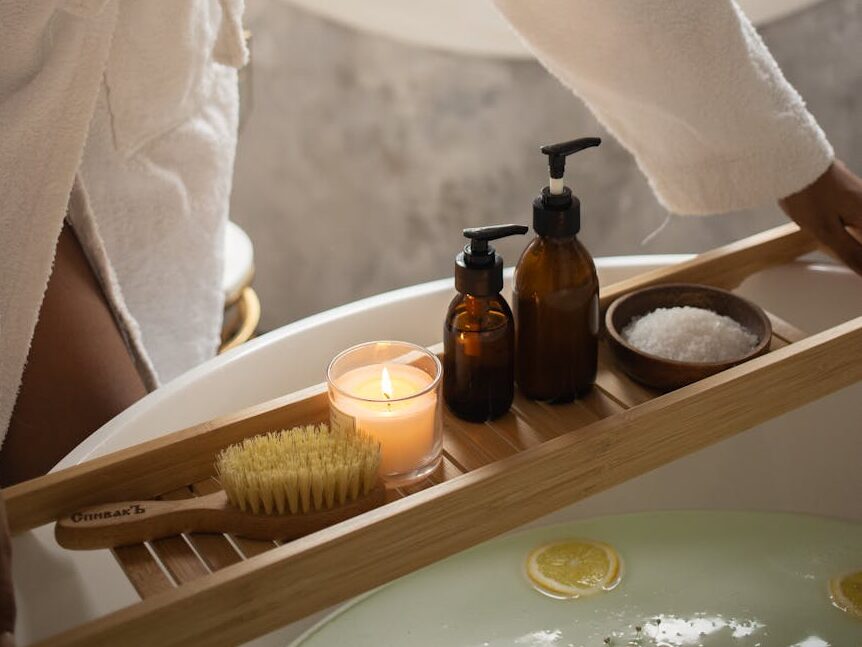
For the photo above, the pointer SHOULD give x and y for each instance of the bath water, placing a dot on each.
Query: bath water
(689, 579)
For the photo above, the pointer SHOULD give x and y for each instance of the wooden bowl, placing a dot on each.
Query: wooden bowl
(666, 374)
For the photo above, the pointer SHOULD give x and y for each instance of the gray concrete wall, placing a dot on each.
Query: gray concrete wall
(363, 158)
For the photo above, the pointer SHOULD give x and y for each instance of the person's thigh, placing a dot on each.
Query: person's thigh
(79, 373)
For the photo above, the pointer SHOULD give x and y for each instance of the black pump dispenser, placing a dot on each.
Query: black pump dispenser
(555, 293)
(556, 212)
(479, 269)
(479, 331)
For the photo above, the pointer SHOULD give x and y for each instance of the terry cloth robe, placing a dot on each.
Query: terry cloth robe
(125, 113)
(689, 88)
(686, 85)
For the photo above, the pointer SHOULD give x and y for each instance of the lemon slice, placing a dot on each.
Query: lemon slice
(846, 593)
(574, 568)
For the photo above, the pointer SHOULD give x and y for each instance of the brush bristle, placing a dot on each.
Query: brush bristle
(297, 470)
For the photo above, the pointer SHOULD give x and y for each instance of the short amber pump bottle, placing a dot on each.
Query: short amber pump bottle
(479, 333)
(556, 292)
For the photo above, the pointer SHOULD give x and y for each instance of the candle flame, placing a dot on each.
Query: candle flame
(386, 384)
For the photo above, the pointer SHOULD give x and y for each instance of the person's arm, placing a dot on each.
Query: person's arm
(691, 90)
(830, 209)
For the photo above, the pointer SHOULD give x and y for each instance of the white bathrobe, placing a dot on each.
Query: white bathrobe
(133, 103)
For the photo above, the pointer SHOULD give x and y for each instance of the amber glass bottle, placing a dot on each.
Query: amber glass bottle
(479, 332)
(555, 294)
(479, 360)
(557, 312)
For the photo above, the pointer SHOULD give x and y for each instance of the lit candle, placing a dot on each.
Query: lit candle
(397, 404)
(384, 405)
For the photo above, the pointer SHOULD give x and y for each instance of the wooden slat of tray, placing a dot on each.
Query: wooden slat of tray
(600, 403)
(618, 386)
(447, 470)
(393, 495)
(483, 436)
(211, 552)
(143, 570)
(549, 421)
(248, 547)
(466, 456)
(519, 431)
(176, 553)
(443, 473)
(215, 550)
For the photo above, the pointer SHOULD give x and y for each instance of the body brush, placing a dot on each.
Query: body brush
(279, 485)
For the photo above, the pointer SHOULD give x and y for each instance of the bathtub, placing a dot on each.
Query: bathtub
(804, 461)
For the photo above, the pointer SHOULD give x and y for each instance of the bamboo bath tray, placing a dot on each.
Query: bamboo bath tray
(219, 590)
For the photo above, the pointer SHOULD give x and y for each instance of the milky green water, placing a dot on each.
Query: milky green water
(690, 578)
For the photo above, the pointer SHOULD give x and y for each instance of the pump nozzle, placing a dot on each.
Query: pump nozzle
(557, 154)
(481, 235)
(556, 212)
(479, 269)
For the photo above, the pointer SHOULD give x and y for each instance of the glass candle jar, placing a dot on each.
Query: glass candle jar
(391, 391)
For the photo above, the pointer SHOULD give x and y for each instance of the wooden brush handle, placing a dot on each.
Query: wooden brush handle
(132, 522)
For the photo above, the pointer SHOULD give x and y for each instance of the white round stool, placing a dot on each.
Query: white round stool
(242, 306)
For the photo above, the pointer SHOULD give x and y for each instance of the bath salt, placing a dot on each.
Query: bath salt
(688, 334)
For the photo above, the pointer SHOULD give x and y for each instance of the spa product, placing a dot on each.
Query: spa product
(556, 293)
(688, 334)
(573, 568)
(280, 485)
(390, 390)
(479, 332)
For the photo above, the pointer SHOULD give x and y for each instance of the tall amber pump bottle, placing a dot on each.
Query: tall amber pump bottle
(479, 333)
(556, 292)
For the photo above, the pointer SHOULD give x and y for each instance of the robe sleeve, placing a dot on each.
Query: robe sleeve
(689, 88)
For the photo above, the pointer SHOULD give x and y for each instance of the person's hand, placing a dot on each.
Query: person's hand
(7, 593)
(830, 209)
